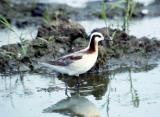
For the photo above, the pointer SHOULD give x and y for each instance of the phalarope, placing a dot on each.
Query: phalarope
(78, 62)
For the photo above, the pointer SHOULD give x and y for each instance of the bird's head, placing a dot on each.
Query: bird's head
(97, 36)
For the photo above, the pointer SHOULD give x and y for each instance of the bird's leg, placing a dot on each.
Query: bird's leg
(77, 84)
(66, 87)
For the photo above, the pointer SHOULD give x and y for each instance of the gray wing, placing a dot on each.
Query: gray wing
(66, 60)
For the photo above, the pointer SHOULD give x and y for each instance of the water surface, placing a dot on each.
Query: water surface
(146, 27)
(76, 3)
(10, 37)
(114, 94)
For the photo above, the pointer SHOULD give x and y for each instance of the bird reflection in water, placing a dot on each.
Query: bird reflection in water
(74, 106)
(77, 104)
(89, 84)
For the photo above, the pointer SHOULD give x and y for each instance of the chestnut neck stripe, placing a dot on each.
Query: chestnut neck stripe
(92, 44)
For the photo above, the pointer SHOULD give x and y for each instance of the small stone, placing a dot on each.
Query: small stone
(144, 11)
(61, 50)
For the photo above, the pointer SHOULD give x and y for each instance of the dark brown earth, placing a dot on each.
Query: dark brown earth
(52, 41)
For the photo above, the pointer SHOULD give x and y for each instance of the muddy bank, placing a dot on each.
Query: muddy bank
(65, 36)
(116, 9)
(52, 40)
(154, 8)
(127, 51)
(26, 13)
(18, 14)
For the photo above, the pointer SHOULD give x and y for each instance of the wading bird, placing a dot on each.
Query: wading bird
(78, 62)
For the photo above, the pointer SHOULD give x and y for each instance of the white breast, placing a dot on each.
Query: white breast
(84, 64)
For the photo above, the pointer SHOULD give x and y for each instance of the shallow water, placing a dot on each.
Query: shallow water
(146, 27)
(115, 94)
(10, 37)
(72, 3)
(145, 2)
(75, 3)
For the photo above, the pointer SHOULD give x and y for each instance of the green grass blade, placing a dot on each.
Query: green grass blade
(5, 22)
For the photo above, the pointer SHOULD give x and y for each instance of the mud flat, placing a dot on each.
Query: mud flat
(65, 36)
